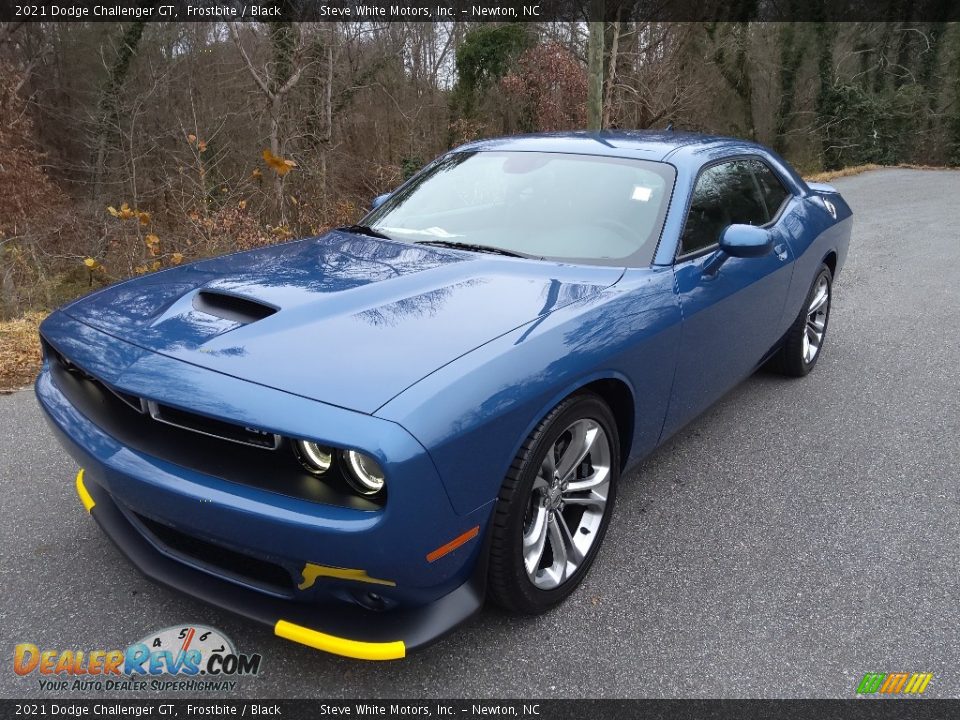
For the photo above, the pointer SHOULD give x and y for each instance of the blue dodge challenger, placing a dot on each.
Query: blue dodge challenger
(356, 438)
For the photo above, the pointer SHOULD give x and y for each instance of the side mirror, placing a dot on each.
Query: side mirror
(379, 200)
(745, 241)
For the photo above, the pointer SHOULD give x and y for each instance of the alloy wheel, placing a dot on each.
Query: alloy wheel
(816, 320)
(567, 504)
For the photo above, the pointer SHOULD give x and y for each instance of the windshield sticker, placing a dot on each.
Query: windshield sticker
(431, 231)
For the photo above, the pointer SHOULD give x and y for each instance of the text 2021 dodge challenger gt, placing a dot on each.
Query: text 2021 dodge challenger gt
(355, 438)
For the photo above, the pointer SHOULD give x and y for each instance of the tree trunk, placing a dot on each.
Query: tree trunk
(275, 109)
(110, 97)
(595, 68)
(735, 72)
(826, 105)
(612, 76)
(791, 55)
(328, 117)
(9, 307)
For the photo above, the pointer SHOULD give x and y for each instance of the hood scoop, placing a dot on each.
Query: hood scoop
(231, 307)
(198, 317)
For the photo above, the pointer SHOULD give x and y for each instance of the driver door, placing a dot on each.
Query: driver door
(731, 317)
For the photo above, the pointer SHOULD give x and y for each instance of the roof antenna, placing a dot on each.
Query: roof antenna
(669, 127)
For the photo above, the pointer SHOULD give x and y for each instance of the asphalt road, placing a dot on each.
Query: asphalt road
(799, 534)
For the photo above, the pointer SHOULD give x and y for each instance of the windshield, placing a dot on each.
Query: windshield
(575, 208)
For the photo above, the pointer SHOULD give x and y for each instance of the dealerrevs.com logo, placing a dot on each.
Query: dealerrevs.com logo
(184, 657)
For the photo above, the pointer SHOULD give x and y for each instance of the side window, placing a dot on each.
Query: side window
(772, 189)
(725, 194)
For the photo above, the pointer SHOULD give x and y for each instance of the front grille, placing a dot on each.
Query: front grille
(213, 428)
(133, 401)
(173, 416)
(219, 559)
(64, 364)
(210, 453)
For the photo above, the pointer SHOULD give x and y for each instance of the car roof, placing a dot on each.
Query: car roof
(641, 144)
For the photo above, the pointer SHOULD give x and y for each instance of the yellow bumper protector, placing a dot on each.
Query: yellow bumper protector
(311, 572)
(340, 646)
(85, 498)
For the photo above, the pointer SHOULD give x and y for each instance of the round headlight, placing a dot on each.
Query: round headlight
(364, 473)
(315, 458)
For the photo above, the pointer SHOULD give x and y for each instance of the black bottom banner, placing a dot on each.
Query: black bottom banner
(470, 709)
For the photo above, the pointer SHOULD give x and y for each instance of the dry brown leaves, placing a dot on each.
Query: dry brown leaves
(19, 351)
(829, 175)
(554, 85)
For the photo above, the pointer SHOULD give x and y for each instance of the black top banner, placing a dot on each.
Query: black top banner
(359, 11)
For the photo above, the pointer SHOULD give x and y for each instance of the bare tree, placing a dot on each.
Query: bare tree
(275, 83)
(595, 68)
(107, 115)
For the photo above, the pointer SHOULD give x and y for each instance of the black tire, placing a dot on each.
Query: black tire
(510, 586)
(790, 360)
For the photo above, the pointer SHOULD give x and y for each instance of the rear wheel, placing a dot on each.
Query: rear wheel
(804, 341)
(554, 506)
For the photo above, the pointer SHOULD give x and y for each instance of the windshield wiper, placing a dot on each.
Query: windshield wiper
(471, 247)
(364, 230)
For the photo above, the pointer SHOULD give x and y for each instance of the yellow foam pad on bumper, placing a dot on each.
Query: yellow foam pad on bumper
(340, 646)
(85, 497)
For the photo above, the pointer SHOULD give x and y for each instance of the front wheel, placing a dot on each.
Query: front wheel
(554, 506)
(804, 340)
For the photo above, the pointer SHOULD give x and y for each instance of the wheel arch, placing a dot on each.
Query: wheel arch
(830, 260)
(619, 398)
(616, 391)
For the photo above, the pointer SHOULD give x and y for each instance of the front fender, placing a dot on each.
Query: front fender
(473, 414)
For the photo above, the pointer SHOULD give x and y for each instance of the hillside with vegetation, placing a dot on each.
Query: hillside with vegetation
(128, 148)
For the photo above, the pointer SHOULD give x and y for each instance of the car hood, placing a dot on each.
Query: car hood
(344, 319)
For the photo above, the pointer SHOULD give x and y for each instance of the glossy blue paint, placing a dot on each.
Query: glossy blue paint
(731, 318)
(746, 241)
(631, 332)
(352, 307)
(436, 362)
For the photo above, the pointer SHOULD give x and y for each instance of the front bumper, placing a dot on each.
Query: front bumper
(337, 628)
(327, 570)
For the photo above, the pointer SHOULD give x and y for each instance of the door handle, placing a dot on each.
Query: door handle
(781, 251)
